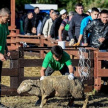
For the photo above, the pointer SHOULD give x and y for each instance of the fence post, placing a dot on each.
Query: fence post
(14, 63)
(21, 69)
(41, 45)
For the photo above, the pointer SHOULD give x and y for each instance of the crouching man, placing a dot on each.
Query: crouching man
(59, 60)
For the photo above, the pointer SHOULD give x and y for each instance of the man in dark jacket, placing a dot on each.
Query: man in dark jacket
(28, 24)
(99, 32)
(74, 28)
(36, 17)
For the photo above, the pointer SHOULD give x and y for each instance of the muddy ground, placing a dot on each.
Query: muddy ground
(99, 100)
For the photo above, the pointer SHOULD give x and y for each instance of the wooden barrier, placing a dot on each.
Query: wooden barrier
(17, 64)
(99, 71)
(43, 46)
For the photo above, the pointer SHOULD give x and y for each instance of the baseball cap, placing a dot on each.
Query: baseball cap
(63, 11)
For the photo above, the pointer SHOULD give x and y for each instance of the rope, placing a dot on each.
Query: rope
(84, 66)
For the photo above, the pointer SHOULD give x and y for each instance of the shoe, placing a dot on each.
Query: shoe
(38, 101)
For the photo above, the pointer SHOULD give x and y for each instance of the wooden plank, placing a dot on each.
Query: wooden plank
(38, 62)
(103, 72)
(13, 91)
(30, 62)
(102, 54)
(29, 40)
(103, 58)
(26, 36)
(9, 72)
(9, 92)
(14, 54)
(32, 78)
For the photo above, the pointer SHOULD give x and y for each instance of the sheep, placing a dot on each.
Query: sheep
(54, 86)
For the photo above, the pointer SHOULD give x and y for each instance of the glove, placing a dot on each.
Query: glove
(71, 76)
(76, 44)
(42, 78)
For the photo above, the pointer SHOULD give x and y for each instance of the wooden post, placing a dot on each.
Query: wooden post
(14, 64)
(21, 69)
(12, 14)
(42, 45)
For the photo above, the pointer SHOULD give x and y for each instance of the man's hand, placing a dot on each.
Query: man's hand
(8, 54)
(71, 76)
(49, 36)
(2, 57)
(42, 77)
(101, 40)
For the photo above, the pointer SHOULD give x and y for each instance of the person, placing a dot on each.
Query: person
(28, 24)
(46, 17)
(36, 18)
(88, 12)
(4, 16)
(48, 24)
(56, 24)
(74, 28)
(63, 30)
(56, 59)
(85, 21)
(98, 30)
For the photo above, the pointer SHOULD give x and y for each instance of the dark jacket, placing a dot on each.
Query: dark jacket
(27, 25)
(55, 27)
(98, 30)
(74, 28)
(35, 19)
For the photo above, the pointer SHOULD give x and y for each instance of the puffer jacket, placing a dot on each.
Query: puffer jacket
(98, 30)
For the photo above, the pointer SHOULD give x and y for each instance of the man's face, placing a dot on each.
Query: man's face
(30, 16)
(94, 14)
(37, 10)
(54, 16)
(5, 18)
(79, 9)
(104, 18)
(64, 15)
(51, 13)
(57, 59)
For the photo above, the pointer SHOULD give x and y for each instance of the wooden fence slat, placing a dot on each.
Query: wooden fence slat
(9, 72)
(30, 62)
(32, 78)
(35, 41)
(103, 72)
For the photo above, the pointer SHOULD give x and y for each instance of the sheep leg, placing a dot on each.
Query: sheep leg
(85, 102)
(43, 102)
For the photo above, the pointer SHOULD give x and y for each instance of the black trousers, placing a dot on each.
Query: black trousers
(63, 71)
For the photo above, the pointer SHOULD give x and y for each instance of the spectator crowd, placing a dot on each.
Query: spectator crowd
(79, 28)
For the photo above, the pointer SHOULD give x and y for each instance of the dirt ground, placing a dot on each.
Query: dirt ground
(99, 100)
